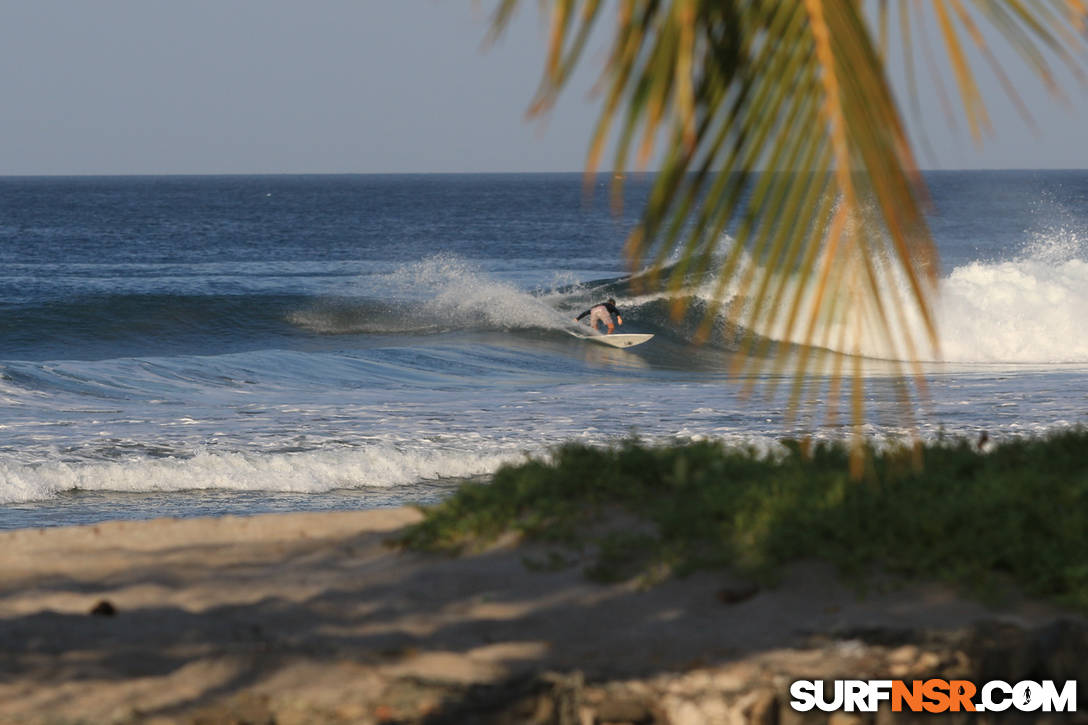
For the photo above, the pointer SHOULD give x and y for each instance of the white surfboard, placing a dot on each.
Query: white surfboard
(616, 340)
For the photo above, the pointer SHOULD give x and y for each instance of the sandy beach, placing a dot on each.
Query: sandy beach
(315, 618)
(277, 277)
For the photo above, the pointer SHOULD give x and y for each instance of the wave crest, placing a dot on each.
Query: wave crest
(304, 472)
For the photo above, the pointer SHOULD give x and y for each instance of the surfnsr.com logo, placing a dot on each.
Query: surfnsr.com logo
(934, 695)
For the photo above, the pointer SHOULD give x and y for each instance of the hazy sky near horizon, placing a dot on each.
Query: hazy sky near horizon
(271, 86)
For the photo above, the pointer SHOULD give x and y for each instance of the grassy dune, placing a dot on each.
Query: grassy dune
(1015, 516)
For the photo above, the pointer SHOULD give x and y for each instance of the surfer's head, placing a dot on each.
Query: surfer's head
(611, 301)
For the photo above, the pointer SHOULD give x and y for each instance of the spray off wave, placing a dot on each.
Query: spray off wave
(1023, 312)
(1030, 309)
(438, 294)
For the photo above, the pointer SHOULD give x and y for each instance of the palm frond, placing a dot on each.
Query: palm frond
(775, 121)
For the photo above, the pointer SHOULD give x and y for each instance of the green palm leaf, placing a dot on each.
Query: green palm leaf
(776, 117)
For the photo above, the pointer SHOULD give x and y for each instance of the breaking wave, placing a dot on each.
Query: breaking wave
(303, 472)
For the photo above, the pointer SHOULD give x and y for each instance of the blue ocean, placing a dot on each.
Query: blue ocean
(183, 346)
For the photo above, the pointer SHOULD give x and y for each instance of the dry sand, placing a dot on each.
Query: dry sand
(315, 613)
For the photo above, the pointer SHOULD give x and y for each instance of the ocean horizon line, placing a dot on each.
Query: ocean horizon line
(269, 174)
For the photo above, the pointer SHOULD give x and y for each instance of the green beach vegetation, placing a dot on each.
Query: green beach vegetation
(1014, 517)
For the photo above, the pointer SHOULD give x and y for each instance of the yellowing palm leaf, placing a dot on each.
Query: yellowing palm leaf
(830, 246)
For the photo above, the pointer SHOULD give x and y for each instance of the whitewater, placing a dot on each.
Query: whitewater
(230, 345)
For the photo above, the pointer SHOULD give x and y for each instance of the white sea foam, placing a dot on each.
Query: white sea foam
(1030, 309)
(1027, 310)
(1024, 311)
(304, 472)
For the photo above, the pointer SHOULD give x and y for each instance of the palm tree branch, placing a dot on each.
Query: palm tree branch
(777, 122)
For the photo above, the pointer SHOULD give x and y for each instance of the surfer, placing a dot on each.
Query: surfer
(602, 313)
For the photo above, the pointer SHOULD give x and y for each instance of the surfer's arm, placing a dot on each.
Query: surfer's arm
(579, 317)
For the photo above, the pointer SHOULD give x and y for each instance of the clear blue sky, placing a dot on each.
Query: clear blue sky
(267, 86)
